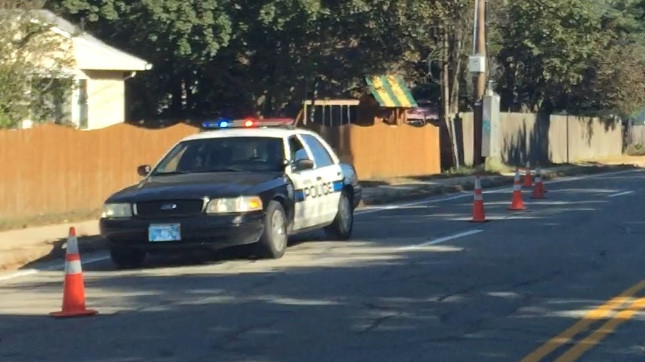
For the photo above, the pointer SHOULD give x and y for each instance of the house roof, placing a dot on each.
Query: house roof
(390, 91)
(90, 52)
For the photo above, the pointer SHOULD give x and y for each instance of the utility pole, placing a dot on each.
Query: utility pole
(479, 77)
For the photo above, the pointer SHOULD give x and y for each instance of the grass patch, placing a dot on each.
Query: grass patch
(51, 219)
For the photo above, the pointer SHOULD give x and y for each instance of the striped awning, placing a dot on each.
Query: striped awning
(391, 91)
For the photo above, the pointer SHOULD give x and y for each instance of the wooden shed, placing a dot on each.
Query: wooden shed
(386, 100)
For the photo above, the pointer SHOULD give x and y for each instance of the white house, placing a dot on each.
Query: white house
(99, 73)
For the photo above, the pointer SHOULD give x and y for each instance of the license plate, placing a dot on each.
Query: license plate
(164, 232)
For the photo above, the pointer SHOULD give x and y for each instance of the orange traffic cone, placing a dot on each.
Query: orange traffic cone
(538, 190)
(74, 289)
(528, 179)
(478, 205)
(517, 203)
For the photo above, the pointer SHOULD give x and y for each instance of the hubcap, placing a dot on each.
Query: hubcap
(279, 235)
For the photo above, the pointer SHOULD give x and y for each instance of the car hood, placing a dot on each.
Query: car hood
(198, 185)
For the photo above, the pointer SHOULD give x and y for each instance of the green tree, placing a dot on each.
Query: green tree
(616, 82)
(256, 55)
(545, 50)
(585, 57)
(34, 69)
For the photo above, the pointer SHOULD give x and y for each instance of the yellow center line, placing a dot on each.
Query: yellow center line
(581, 347)
(592, 316)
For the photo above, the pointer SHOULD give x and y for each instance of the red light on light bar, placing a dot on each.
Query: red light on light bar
(249, 123)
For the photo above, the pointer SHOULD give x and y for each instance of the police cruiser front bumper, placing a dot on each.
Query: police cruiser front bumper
(206, 231)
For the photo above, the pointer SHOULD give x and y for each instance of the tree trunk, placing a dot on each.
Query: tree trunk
(445, 100)
(456, 63)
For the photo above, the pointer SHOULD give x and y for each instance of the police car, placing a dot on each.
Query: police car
(239, 182)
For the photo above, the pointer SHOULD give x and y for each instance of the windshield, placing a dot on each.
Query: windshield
(230, 154)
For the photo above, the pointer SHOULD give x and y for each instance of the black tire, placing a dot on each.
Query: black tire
(273, 242)
(343, 224)
(126, 258)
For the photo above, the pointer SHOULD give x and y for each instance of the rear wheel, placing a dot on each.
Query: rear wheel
(342, 226)
(273, 242)
(127, 258)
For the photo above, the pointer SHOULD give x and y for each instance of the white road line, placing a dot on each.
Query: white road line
(443, 239)
(621, 194)
(596, 175)
(373, 209)
(400, 206)
(26, 272)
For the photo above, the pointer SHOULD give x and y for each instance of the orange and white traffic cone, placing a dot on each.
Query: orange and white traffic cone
(517, 203)
(528, 179)
(478, 205)
(74, 288)
(538, 190)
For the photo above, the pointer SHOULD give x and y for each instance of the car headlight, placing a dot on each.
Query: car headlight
(116, 210)
(238, 204)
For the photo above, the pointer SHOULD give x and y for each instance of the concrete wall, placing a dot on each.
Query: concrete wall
(536, 138)
(105, 98)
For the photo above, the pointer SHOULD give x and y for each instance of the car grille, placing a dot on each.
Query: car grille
(169, 208)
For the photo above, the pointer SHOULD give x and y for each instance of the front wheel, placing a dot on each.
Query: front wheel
(273, 242)
(126, 258)
(343, 224)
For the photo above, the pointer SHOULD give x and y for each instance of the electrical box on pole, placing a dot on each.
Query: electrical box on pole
(477, 64)
(491, 125)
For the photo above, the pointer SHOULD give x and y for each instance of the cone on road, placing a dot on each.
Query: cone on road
(528, 178)
(478, 205)
(517, 203)
(538, 190)
(74, 288)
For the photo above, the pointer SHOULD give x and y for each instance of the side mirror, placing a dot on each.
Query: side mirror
(304, 164)
(143, 170)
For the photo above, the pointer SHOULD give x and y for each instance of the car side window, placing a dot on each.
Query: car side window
(320, 154)
(294, 146)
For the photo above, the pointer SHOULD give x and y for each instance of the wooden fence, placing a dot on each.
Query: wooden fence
(50, 169)
(53, 169)
(381, 151)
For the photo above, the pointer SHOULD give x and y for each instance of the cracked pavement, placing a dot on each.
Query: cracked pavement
(492, 296)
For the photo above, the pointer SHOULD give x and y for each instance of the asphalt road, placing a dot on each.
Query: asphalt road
(418, 282)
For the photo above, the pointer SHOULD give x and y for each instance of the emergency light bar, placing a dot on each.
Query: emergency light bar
(248, 123)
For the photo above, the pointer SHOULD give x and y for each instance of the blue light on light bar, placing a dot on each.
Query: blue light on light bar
(222, 123)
